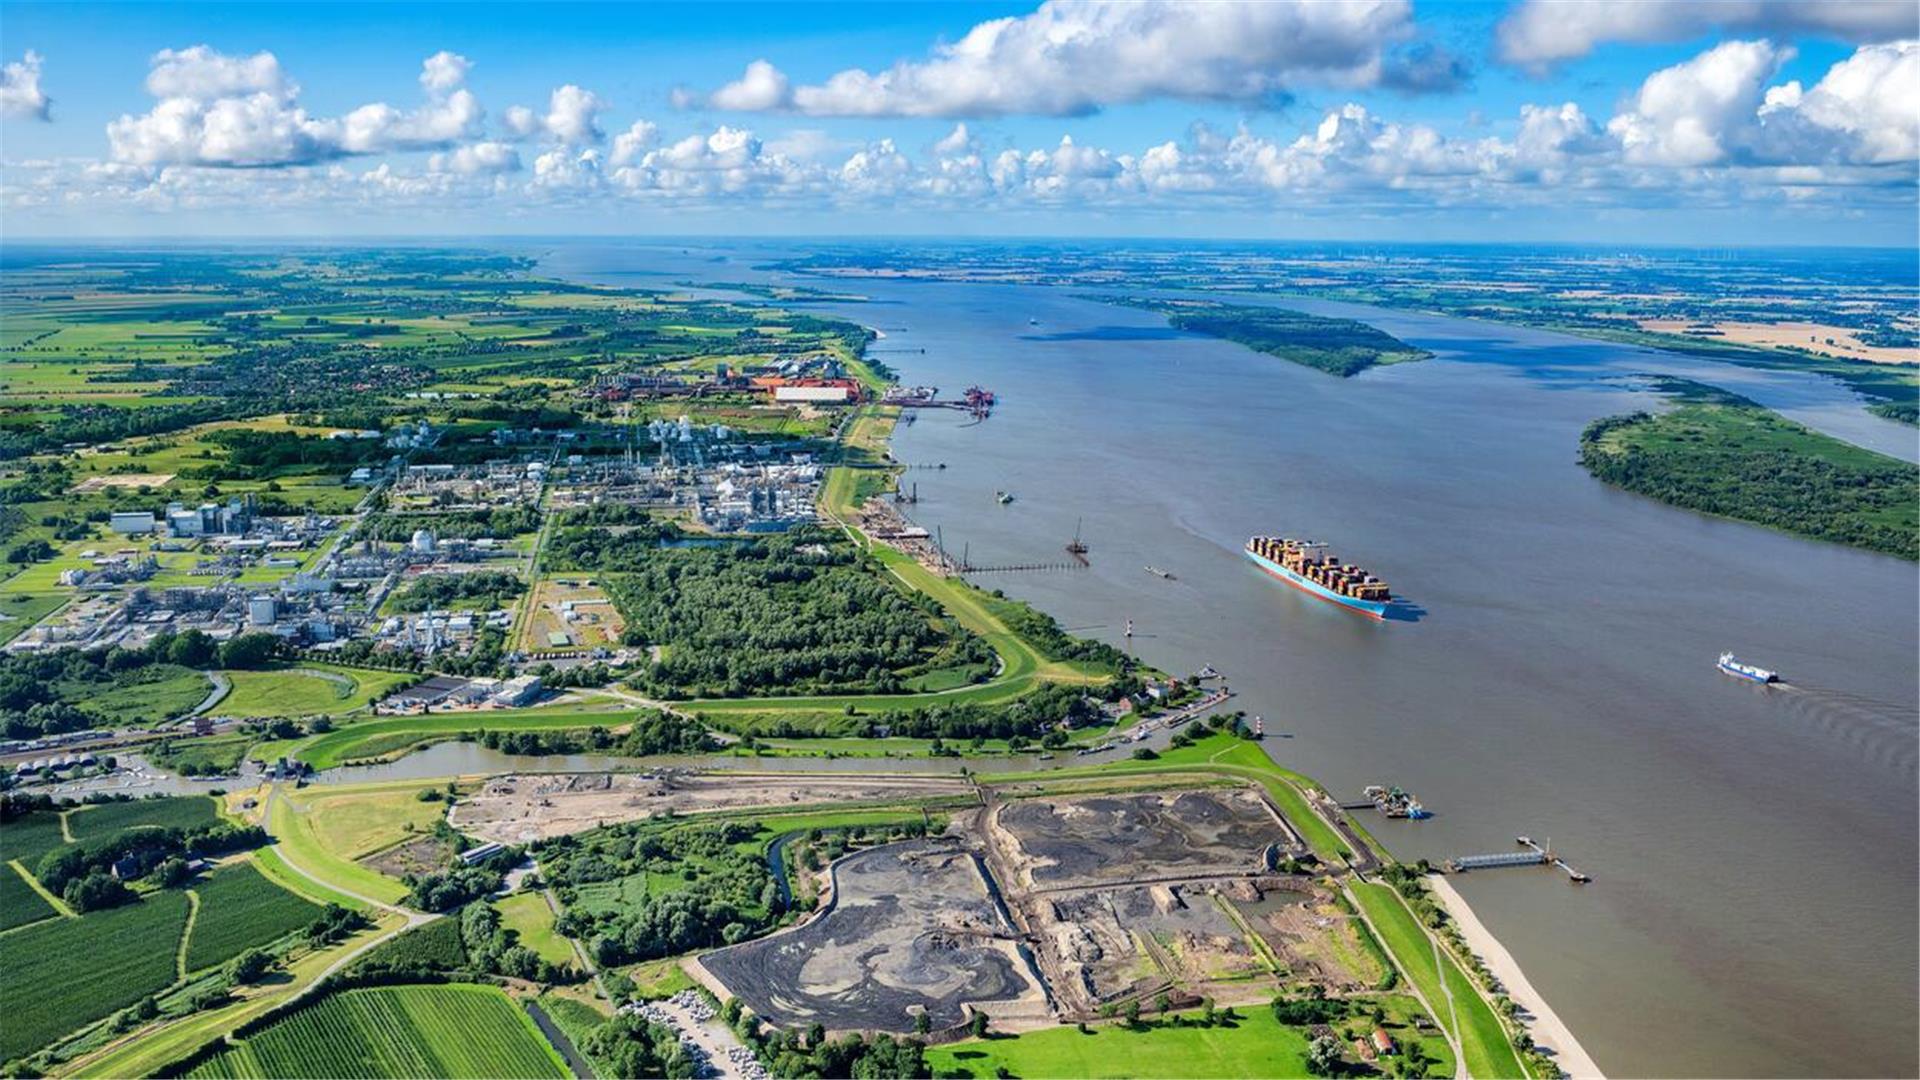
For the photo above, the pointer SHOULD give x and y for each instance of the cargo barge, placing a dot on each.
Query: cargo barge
(1309, 566)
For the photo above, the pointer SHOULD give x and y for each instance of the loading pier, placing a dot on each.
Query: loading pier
(1533, 855)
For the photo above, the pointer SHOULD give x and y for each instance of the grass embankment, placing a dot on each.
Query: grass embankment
(1452, 997)
(321, 840)
(372, 737)
(1719, 453)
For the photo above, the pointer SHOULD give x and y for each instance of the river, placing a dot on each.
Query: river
(1754, 910)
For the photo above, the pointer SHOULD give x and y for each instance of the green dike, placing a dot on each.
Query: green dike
(1483, 1039)
(343, 743)
(305, 852)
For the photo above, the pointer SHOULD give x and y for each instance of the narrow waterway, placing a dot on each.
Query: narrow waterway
(1754, 911)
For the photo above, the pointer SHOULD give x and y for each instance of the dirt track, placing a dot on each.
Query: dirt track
(519, 809)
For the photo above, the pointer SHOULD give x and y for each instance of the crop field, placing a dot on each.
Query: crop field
(406, 1031)
(20, 903)
(30, 837)
(92, 823)
(240, 909)
(62, 974)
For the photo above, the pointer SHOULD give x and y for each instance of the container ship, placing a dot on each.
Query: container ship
(1308, 565)
(1739, 670)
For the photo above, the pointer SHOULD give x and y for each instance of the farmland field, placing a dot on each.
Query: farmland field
(110, 819)
(28, 838)
(19, 903)
(404, 1031)
(128, 952)
(239, 909)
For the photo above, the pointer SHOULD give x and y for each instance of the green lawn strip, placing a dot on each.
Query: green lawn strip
(1254, 1045)
(22, 900)
(240, 909)
(1483, 1039)
(125, 953)
(302, 849)
(186, 935)
(450, 1031)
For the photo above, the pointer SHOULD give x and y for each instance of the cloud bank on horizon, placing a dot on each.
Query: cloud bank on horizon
(1720, 128)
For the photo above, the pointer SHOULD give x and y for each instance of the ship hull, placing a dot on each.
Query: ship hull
(1763, 680)
(1373, 609)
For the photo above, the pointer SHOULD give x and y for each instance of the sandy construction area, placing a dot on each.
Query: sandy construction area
(518, 809)
(1837, 340)
(94, 484)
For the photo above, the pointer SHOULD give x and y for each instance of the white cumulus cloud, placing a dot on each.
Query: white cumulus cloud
(242, 112)
(572, 117)
(1542, 32)
(1700, 111)
(20, 93)
(1075, 56)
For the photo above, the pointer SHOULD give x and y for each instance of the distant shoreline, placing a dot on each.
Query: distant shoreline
(1549, 1032)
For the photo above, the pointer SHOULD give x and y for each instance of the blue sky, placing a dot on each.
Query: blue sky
(1655, 121)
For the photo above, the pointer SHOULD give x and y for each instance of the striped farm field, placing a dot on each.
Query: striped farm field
(453, 1031)
(62, 974)
(239, 909)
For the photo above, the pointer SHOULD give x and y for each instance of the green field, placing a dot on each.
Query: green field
(1255, 1045)
(62, 974)
(20, 903)
(240, 909)
(19, 611)
(1456, 1002)
(528, 914)
(91, 823)
(304, 691)
(165, 693)
(452, 1031)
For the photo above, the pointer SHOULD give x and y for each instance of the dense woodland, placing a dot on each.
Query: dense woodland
(799, 612)
(1342, 347)
(1742, 461)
